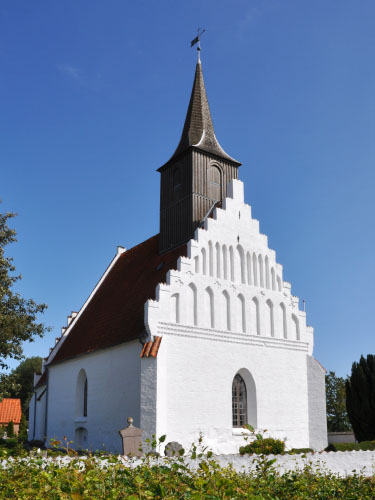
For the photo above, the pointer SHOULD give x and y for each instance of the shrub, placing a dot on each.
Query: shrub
(297, 451)
(37, 479)
(10, 429)
(363, 445)
(264, 446)
(22, 434)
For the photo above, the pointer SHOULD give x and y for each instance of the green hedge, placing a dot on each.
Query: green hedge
(264, 446)
(35, 481)
(298, 451)
(363, 445)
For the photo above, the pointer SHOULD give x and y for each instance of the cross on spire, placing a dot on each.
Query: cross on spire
(197, 40)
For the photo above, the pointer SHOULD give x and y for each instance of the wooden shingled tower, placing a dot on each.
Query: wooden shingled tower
(196, 176)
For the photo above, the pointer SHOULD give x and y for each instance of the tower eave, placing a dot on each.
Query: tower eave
(176, 157)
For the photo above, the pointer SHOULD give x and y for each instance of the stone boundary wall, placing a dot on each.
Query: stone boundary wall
(341, 437)
(343, 463)
(340, 463)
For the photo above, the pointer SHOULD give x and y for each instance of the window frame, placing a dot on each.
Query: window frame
(239, 402)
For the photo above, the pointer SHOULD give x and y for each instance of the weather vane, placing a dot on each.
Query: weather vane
(197, 40)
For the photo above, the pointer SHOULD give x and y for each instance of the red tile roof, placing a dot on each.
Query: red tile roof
(115, 313)
(10, 410)
(151, 348)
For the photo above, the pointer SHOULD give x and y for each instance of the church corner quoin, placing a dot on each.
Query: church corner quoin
(191, 332)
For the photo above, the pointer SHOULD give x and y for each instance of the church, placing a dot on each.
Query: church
(193, 331)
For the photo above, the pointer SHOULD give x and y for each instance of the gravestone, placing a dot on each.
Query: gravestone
(131, 440)
(173, 449)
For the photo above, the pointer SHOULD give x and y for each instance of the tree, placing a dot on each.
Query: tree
(18, 316)
(360, 398)
(22, 433)
(10, 429)
(19, 383)
(337, 416)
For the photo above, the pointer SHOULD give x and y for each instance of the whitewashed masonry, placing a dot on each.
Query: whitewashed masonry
(227, 310)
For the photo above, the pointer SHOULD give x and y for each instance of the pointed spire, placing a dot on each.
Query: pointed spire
(198, 128)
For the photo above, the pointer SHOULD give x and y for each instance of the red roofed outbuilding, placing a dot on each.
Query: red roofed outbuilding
(10, 411)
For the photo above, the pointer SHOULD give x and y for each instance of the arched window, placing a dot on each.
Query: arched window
(267, 272)
(295, 325)
(279, 283)
(283, 321)
(204, 261)
(196, 264)
(210, 258)
(214, 183)
(269, 319)
(226, 310)
(254, 316)
(218, 266)
(261, 271)
(231, 258)
(241, 256)
(81, 395)
(191, 310)
(248, 259)
(85, 399)
(175, 308)
(241, 313)
(273, 279)
(255, 269)
(225, 263)
(239, 402)
(209, 308)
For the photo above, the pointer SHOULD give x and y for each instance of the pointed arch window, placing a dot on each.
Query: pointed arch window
(214, 183)
(225, 263)
(81, 404)
(85, 399)
(239, 402)
(226, 309)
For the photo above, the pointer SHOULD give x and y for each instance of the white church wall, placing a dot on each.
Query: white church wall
(197, 389)
(317, 404)
(113, 394)
(31, 431)
(229, 296)
(37, 415)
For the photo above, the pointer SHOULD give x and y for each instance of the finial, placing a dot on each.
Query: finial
(197, 40)
(130, 422)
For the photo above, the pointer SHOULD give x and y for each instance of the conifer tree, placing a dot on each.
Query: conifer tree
(10, 429)
(360, 398)
(22, 433)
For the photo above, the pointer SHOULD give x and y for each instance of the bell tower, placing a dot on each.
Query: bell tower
(195, 178)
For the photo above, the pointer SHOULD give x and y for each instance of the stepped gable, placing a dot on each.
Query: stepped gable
(115, 314)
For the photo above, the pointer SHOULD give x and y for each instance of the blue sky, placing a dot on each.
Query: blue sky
(94, 95)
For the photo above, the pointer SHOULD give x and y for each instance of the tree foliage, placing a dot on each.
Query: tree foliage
(360, 398)
(22, 434)
(10, 429)
(18, 316)
(19, 383)
(337, 416)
